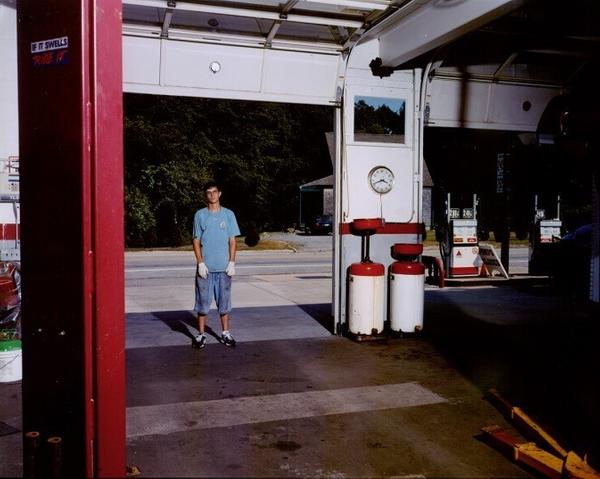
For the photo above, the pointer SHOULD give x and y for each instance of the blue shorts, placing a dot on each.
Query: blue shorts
(217, 285)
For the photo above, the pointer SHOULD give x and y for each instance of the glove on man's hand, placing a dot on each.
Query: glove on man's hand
(230, 269)
(202, 270)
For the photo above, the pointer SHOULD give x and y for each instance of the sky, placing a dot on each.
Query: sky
(394, 104)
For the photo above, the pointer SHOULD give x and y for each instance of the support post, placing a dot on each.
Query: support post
(503, 188)
(70, 123)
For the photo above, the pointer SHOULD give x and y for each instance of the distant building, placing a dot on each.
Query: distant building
(316, 198)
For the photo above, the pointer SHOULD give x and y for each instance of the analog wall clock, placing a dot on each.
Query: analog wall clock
(381, 179)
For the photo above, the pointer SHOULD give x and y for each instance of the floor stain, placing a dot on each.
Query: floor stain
(286, 445)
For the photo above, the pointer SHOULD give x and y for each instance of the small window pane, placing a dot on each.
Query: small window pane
(379, 119)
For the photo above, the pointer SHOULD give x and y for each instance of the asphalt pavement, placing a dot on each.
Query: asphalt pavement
(294, 400)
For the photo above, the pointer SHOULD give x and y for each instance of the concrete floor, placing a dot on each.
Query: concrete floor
(427, 432)
(291, 400)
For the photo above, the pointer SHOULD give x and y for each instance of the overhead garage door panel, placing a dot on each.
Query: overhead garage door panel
(189, 65)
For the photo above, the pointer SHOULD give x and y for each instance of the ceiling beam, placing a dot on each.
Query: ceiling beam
(506, 63)
(360, 4)
(353, 38)
(167, 22)
(150, 31)
(277, 23)
(421, 25)
(272, 33)
(249, 13)
(288, 6)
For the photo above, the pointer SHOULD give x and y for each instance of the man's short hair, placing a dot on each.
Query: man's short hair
(211, 184)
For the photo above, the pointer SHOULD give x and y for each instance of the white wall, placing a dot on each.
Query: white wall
(486, 105)
(357, 199)
(9, 124)
(171, 67)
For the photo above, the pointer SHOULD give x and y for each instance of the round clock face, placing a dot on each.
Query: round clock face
(381, 179)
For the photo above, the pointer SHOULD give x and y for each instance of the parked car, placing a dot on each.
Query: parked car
(573, 260)
(322, 225)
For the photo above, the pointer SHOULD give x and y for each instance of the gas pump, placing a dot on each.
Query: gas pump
(460, 247)
(545, 239)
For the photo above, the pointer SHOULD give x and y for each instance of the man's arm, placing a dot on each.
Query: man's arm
(197, 250)
(231, 265)
(232, 248)
(201, 268)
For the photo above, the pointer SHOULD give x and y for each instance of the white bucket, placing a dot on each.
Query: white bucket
(11, 365)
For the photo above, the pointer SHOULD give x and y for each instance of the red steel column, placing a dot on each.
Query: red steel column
(108, 237)
(70, 121)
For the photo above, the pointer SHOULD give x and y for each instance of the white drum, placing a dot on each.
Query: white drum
(366, 298)
(406, 289)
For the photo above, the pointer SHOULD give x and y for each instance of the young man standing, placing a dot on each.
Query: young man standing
(215, 229)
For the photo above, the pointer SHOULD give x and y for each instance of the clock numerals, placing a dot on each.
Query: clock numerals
(381, 179)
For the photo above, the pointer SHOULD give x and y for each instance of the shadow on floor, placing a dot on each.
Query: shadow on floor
(250, 323)
(544, 360)
(321, 313)
(184, 322)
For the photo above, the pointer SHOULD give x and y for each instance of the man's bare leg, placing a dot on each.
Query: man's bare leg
(200, 340)
(201, 323)
(225, 322)
(226, 337)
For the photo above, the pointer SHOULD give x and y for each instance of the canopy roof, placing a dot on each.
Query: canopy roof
(531, 42)
(299, 24)
(536, 43)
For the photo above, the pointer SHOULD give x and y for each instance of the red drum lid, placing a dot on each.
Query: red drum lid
(407, 249)
(365, 224)
(400, 267)
(367, 269)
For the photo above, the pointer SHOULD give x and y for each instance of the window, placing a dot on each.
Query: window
(379, 119)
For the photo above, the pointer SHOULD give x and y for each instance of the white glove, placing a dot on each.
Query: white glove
(230, 269)
(202, 270)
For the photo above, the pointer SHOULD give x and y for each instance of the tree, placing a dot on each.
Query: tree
(139, 219)
(258, 152)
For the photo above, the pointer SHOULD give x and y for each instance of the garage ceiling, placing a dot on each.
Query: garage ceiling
(302, 25)
(544, 41)
(538, 43)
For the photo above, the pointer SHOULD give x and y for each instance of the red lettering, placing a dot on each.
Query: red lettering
(43, 58)
(51, 58)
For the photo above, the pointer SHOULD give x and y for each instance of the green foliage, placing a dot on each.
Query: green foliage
(378, 121)
(258, 152)
(139, 219)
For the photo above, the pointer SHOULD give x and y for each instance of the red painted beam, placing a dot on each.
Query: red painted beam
(108, 239)
(389, 228)
(70, 123)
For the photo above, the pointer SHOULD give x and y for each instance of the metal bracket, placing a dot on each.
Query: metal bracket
(379, 70)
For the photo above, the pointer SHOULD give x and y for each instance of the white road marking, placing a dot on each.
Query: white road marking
(240, 266)
(187, 416)
(147, 270)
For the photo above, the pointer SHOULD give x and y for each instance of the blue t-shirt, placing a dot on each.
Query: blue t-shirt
(214, 230)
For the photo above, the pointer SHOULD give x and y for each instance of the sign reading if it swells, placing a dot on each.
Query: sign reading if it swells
(53, 51)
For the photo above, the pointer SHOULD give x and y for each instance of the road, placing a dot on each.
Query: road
(180, 264)
(164, 280)
(167, 264)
